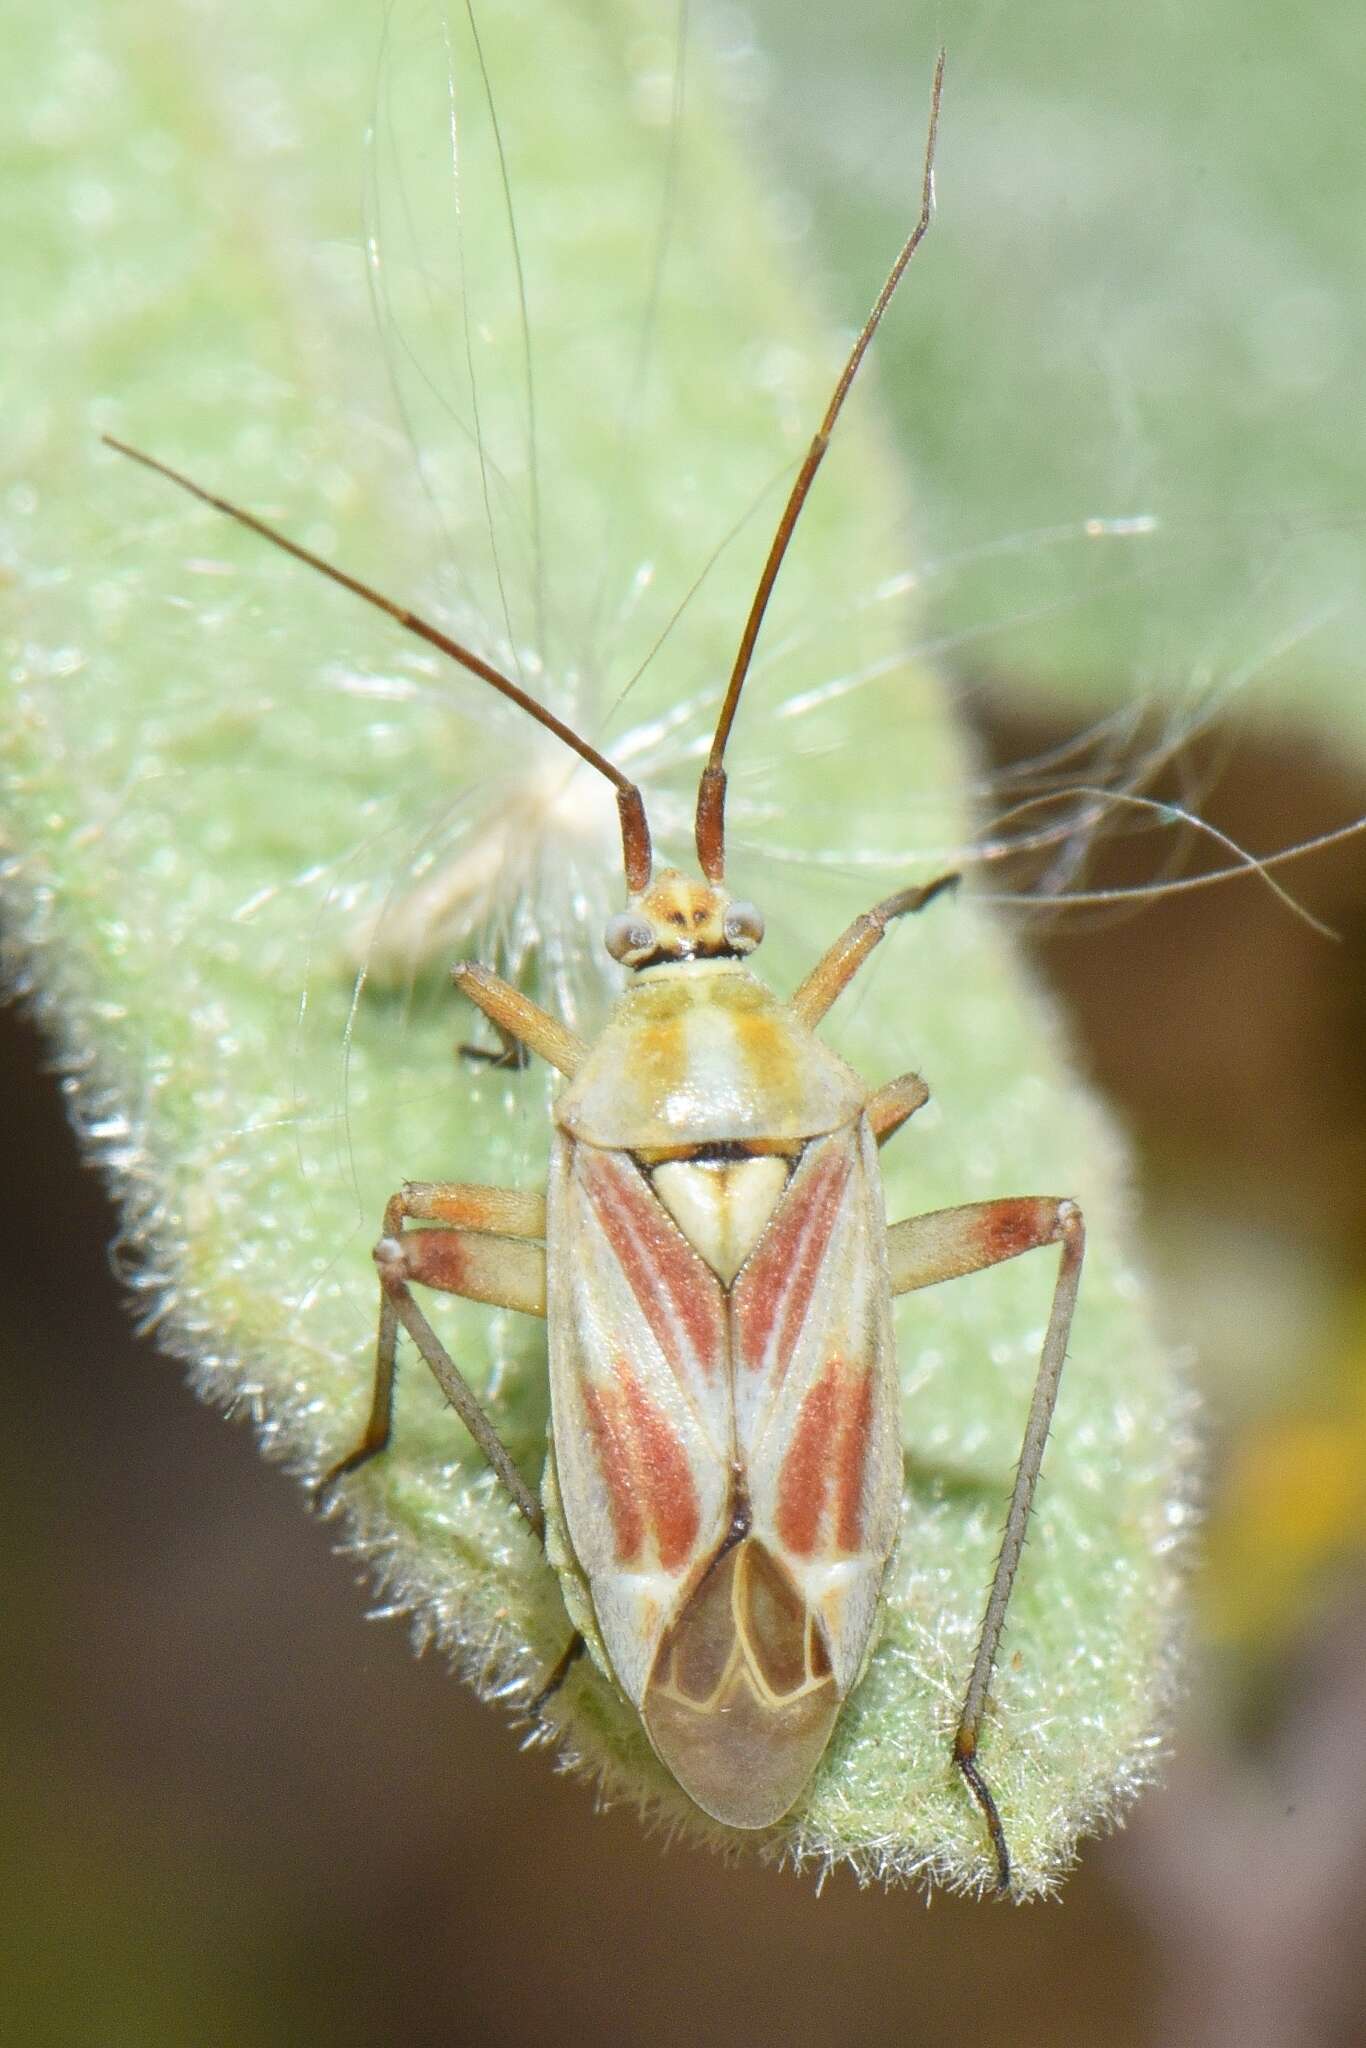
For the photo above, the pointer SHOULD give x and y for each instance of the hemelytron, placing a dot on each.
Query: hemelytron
(724, 1482)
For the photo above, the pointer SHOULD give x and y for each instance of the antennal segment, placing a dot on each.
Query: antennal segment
(711, 792)
(635, 831)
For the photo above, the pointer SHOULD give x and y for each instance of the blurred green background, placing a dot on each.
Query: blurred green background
(237, 1813)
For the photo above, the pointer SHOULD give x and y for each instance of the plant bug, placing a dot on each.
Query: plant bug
(723, 1488)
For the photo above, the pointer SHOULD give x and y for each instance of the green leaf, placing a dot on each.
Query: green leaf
(231, 788)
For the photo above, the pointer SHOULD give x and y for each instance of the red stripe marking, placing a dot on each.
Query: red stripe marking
(806, 1468)
(666, 1478)
(774, 1293)
(678, 1293)
(602, 1405)
(828, 1454)
(645, 1471)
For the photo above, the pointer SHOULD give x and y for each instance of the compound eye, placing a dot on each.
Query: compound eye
(744, 926)
(628, 939)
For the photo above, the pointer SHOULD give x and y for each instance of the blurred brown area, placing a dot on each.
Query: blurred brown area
(235, 1811)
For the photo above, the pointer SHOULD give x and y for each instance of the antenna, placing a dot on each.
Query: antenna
(635, 832)
(711, 791)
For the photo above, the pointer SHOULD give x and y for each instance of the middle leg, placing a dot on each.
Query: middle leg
(889, 1107)
(487, 1249)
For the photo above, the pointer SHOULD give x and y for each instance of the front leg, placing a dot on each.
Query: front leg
(836, 969)
(486, 1249)
(945, 1246)
(519, 1021)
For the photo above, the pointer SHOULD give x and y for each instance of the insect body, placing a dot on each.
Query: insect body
(724, 1484)
(723, 1377)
